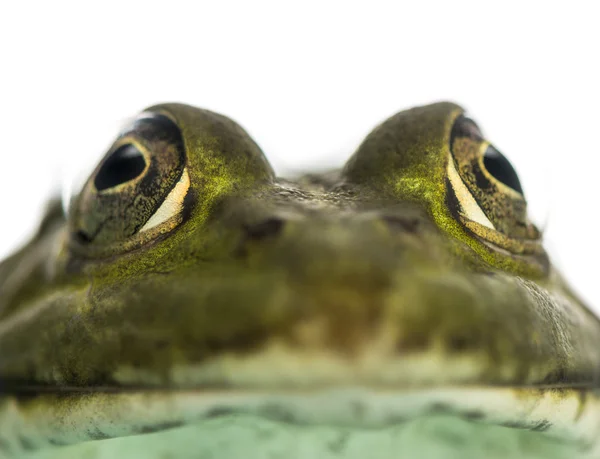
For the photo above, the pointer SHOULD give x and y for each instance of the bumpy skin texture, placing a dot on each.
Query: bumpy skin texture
(375, 260)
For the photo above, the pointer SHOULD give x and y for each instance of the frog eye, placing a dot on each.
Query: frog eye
(139, 186)
(122, 166)
(501, 169)
(485, 192)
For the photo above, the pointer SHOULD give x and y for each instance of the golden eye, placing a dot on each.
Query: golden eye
(484, 190)
(139, 185)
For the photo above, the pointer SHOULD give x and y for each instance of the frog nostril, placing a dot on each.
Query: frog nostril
(408, 224)
(265, 229)
(83, 237)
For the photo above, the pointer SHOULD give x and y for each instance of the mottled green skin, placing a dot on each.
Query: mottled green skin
(373, 247)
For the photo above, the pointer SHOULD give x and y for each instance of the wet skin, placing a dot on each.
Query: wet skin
(185, 266)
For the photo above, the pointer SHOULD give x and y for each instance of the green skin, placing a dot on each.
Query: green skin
(377, 261)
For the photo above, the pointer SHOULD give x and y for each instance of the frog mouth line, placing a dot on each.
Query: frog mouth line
(24, 391)
(53, 419)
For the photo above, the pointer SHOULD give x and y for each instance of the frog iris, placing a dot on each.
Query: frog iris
(137, 192)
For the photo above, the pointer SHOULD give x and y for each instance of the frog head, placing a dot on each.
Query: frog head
(185, 267)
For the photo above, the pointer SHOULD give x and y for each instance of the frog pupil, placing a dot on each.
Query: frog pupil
(497, 165)
(125, 164)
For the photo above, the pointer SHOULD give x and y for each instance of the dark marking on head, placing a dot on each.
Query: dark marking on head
(406, 224)
(57, 442)
(514, 425)
(473, 415)
(219, 412)
(278, 413)
(542, 426)
(83, 237)
(459, 343)
(557, 376)
(265, 229)
(158, 427)
(440, 407)
(96, 434)
(452, 201)
(189, 201)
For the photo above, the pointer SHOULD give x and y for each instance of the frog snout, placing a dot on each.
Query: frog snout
(332, 245)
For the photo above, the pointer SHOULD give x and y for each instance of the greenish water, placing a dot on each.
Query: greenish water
(248, 437)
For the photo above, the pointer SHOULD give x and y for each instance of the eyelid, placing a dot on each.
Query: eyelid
(172, 205)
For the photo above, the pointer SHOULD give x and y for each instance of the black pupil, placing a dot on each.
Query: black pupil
(501, 169)
(125, 164)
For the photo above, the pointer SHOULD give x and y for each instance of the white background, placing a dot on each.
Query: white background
(308, 81)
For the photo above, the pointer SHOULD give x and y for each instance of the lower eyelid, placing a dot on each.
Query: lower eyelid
(467, 202)
(172, 205)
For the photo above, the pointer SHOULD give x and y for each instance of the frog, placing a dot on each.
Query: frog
(187, 302)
